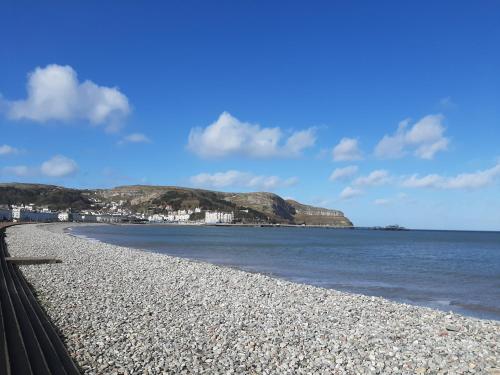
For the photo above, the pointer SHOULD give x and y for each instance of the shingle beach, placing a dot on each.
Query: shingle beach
(126, 311)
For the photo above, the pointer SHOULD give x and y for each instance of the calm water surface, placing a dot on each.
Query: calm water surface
(458, 271)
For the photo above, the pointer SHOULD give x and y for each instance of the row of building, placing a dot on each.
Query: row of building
(32, 214)
(179, 216)
(29, 213)
(184, 216)
(218, 217)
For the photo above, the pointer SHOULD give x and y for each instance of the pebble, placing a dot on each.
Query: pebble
(127, 311)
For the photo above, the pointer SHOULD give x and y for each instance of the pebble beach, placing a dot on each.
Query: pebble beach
(127, 311)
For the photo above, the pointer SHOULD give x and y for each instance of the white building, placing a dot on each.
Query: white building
(16, 213)
(217, 217)
(112, 219)
(182, 218)
(156, 218)
(63, 216)
(21, 214)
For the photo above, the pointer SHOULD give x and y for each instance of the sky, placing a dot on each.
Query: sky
(388, 110)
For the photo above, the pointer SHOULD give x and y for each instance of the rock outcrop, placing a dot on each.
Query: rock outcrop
(310, 215)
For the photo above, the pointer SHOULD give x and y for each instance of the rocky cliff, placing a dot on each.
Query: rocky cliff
(310, 215)
(272, 205)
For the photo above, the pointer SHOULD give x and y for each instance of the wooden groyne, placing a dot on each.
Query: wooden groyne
(29, 343)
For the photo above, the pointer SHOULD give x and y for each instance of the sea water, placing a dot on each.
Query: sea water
(447, 270)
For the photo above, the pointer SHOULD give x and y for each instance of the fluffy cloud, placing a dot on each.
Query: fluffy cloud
(467, 181)
(59, 166)
(349, 193)
(54, 93)
(425, 138)
(299, 141)
(230, 136)
(135, 138)
(8, 150)
(377, 177)
(430, 180)
(346, 150)
(343, 173)
(234, 178)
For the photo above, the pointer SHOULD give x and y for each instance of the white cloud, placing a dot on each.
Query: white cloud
(235, 178)
(8, 150)
(349, 193)
(19, 171)
(135, 138)
(230, 136)
(343, 173)
(299, 141)
(425, 138)
(430, 180)
(54, 93)
(467, 181)
(346, 150)
(377, 177)
(59, 166)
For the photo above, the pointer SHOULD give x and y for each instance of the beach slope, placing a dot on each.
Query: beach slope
(129, 311)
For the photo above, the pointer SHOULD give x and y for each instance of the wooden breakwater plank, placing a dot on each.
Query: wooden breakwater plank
(17, 356)
(25, 261)
(29, 343)
(29, 339)
(49, 361)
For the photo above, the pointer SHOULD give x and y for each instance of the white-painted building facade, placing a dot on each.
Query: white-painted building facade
(179, 216)
(63, 216)
(21, 214)
(156, 218)
(218, 217)
(112, 219)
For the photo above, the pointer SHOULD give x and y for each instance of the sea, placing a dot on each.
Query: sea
(455, 271)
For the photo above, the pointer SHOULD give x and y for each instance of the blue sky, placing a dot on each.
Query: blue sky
(389, 111)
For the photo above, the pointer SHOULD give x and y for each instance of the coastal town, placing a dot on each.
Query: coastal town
(138, 204)
(113, 213)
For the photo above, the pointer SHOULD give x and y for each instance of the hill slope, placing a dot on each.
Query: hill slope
(248, 207)
(54, 197)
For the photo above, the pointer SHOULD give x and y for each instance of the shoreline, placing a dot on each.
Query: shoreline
(444, 303)
(206, 318)
(355, 228)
